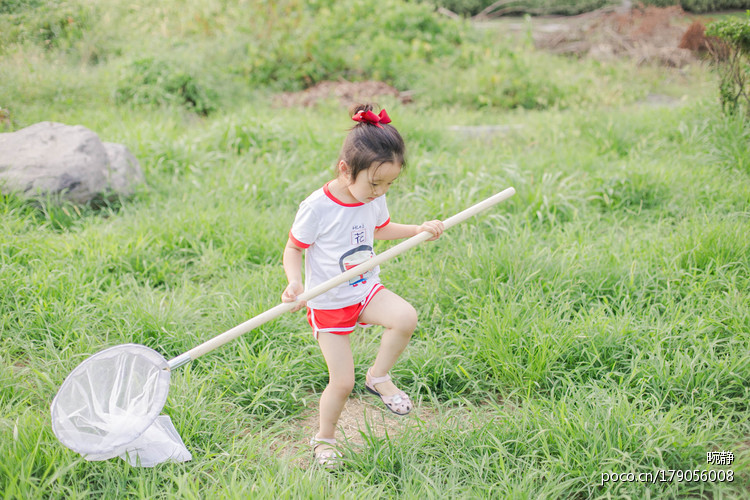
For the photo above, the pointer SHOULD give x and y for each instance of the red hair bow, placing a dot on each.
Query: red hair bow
(372, 118)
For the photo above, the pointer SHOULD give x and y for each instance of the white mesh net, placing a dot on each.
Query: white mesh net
(109, 406)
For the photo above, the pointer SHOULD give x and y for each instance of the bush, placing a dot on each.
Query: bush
(701, 6)
(353, 39)
(517, 7)
(731, 55)
(149, 81)
(54, 24)
(698, 6)
(573, 7)
(464, 7)
(11, 6)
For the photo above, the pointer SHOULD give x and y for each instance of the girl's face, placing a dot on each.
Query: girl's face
(373, 182)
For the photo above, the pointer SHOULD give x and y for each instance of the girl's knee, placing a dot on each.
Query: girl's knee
(342, 387)
(407, 319)
(391, 311)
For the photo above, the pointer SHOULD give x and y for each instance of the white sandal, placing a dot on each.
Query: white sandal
(327, 457)
(399, 403)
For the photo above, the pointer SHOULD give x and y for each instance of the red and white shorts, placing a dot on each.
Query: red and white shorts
(340, 321)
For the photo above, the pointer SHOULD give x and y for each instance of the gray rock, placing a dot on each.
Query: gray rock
(124, 170)
(70, 162)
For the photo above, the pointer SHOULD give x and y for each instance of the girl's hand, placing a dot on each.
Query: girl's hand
(292, 291)
(434, 226)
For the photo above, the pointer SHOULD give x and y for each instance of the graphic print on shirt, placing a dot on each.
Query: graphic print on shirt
(353, 258)
(359, 234)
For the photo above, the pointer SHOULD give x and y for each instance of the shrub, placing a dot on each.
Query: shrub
(464, 7)
(11, 6)
(699, 6)
(352, 39)
(53, 24)
(695, 38)
(516, 7)
(712, 5)
(731, 55)
(572, 7)
(149, 81)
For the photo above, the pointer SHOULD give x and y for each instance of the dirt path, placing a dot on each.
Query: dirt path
(649, 35)
(362, 417)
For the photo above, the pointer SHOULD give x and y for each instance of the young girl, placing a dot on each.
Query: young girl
(336, 227)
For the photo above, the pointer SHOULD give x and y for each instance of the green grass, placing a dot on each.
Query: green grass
(597, 322)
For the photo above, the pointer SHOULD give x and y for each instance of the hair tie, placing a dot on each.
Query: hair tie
(372, 118)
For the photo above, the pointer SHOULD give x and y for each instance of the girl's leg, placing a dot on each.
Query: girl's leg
(338, 355)
(399, 319)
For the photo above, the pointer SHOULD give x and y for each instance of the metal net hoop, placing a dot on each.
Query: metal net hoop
(110, 399)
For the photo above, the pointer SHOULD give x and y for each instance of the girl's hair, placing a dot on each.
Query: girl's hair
(368, 143)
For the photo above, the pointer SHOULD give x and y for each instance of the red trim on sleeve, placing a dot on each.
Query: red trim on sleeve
(298, 242)
(383, 224)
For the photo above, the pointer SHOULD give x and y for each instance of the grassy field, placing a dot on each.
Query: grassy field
(598, 322)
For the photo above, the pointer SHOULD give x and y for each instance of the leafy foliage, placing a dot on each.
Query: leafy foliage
(731, 55)
(150, 81)
(54, 24)
(348, 40)
(14, 6)
(701, 6)
(516, 7)
(734, 31)
(573, 7)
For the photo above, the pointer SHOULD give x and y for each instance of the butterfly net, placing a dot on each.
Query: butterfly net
(109, 406)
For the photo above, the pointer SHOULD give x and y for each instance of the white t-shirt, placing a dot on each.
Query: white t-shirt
(337, 236)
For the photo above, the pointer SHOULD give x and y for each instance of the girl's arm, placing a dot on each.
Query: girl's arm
(292, 262)
(394, 231)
